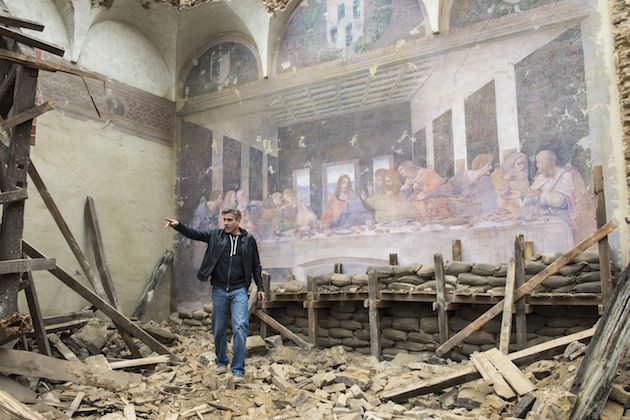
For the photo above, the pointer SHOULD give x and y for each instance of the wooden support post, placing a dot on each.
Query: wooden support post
(393, 259)
(374, 315)
(519, 279)
(311, 297)
(264, 329)
(527, 287)
(506, 321)
(603, 245)
(338, 268)
(94, 229)
(116, 316)
(17, 162)
(457, 250)
(440, 295)
(36, 316)
(529, 249)
(63, 227)
(27, 265)
(18, 195)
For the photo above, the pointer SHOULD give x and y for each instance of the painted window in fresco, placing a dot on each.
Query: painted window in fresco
(196, 207)
(223, 65)
(419, 142)
(552, 101)
(324, 30)
(443, 144)
(302, 185)
(467, 12)
(255, 174)
(231, 166)
(481, 124)
(273, 175)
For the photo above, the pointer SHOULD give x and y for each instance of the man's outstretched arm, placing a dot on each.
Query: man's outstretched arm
(186, 231)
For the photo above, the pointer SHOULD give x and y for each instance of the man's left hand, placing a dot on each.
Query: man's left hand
(260, 295)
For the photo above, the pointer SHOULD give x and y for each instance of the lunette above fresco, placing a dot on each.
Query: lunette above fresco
(325, 30)
(222, 65)
(497, 140)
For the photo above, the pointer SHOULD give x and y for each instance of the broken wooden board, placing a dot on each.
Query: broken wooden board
(284, 331)
(24, 265)
(16, 409)
(513, 375)
(144, 361)
(63, 349)
(467, 374)
(490, 373)
(19, 362)
(16, 22)
(27, 115)
(39, 64)
(527, 287)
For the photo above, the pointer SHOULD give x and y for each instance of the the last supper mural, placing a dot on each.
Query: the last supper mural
(486, 136)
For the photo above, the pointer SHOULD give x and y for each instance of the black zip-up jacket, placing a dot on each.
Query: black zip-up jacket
(218, 240)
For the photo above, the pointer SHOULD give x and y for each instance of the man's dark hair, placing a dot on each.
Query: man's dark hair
(234, 212)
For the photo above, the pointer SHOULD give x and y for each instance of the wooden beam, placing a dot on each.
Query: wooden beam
(519, 279)
(27, 265)
(313, 313)
(58, 319)
(39, 64)
(607, 348)
(284, 331)
(374, 315)
(27, 115)
(94, 229)
(492, 375)
(63, 349)
(513, 375)
(457, 250)
(36, 316)
(18, 362)
(144, 361)
(9, 20)
(32, 41)
(63, 227)
(467, 374)
(17, 161)
(440, 296)
(603, 246)
(506, 321)
(119, 319)
(16, 409)
(527, 287)
(19, 194)
(154, 282)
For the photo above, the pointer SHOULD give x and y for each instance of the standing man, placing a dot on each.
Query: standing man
(230, 261)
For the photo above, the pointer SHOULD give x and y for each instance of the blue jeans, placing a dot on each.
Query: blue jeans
(223, 302)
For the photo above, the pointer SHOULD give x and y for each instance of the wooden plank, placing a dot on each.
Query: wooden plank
(116, 316)
(513, 375)
(492, 375)
(39, 64)
(19, 194)
(63, 227)
(16, 409)
(374, 316)
(603, 245)
(32, 41)
(16, 177)
(36, 316)
(26, 265)
(506, 321)
(284, 331)
(154, 282)
(313, 313)
(27, 115)
(527, 287)
(76, 402)
(63, 349)
(16, 22)
(519, 279)
(18, 362)
(607, 348)
(143, 361)
(457, 250)
(529, 249)
(18, 391)
(94, 229)
(467, 374)
(58, 319)
(440, 295)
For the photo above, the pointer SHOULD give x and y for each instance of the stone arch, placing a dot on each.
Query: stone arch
(244, 65)
(122, 52)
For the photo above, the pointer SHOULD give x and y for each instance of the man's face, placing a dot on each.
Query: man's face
(544, 164)
(230, 224)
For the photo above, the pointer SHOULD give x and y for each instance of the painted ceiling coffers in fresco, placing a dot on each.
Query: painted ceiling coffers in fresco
(325, 30)
(467, 12)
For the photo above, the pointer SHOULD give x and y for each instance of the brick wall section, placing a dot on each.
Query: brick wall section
(620, 11)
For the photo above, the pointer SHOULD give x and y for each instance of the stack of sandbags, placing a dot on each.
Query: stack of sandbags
(341, 283)
(347, 324)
